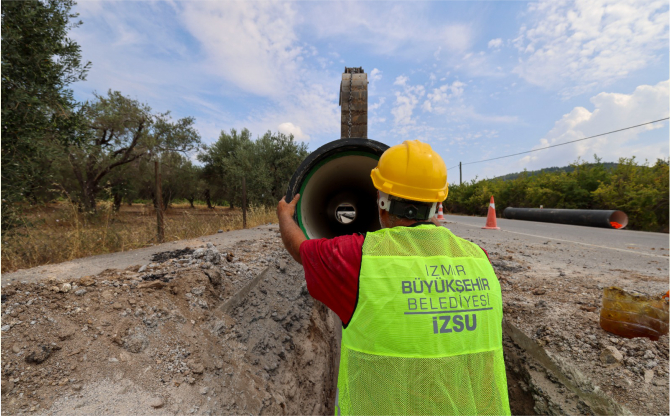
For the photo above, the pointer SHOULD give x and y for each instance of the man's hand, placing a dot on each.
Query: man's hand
(291, 234)
(287, 208)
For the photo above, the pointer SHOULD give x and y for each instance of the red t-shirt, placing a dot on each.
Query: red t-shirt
(332, 267)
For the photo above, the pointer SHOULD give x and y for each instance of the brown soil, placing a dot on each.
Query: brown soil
(173, 338)
(558, 321)
(207, 332)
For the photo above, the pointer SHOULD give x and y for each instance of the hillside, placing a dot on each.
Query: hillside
(568, 169)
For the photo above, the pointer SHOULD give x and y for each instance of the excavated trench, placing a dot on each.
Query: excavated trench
(536, 385)
(237, 336)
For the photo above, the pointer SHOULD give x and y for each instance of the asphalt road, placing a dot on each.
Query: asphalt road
(545, 246)
(637, 242)
(599, 251)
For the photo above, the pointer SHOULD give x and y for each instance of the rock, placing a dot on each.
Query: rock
(87, 281)
(136, 343)
(198, 290)
(648, 376)
(5, 328)
(610, 355)
(204, 390)
(142, 269)
(7, 386)
(198, 368)
(107, 295)
(113, 360)
(229, 257)
(215, 277)
(243, 267)
(649, 355)
(16, 348)
(76, 387)
(199, 253)
(80, 292)
(157, 402)
(651, 364)
(220, 231)
(65, 287)
(660, 381)
(282, 266)
(66, 334)
(156, 284)
(124, 356)
(40, 354)
(539, 292)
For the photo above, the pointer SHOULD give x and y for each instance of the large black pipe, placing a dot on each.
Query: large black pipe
(337, 195)
(587, 217)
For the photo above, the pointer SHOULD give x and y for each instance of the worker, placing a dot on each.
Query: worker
(421, 308)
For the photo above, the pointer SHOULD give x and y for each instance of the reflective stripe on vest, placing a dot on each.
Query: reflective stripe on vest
(426, 334)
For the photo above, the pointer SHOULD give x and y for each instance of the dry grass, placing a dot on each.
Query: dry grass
(58, 233)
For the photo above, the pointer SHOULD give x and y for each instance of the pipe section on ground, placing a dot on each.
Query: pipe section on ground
(587, 217)
(337, 195)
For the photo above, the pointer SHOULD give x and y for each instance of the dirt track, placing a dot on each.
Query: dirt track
(208, 332)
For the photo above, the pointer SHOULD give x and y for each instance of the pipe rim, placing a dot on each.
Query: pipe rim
(328, 152)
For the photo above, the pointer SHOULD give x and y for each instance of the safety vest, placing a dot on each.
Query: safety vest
(426, 334)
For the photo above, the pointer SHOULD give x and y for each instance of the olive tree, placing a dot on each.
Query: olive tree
(118, 131)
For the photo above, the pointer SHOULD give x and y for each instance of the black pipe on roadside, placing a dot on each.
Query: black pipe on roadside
(337, 195)
(586, 217)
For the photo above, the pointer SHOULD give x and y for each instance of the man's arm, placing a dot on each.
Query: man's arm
(291, 235)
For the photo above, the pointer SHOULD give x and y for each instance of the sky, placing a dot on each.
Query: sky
(475, 80)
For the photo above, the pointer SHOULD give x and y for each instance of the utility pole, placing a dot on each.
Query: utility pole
(160, 236)
(460, 172)
(354, 103)
(244, 202)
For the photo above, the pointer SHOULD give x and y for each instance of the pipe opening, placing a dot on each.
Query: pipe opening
(618, 219)
(345, 213)
(338, 198)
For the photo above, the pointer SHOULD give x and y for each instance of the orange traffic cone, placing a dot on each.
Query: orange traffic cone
(491, 223)
(440, 213)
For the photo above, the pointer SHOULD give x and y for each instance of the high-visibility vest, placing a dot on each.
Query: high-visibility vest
(426, 334)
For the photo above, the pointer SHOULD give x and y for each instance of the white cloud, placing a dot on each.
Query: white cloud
(255, 48)
(398, 29)
(611, 111)
(252, 45)
(405, 102)
(440, 97)
(401, 80)
(577, 46)
(495, 43)
(290, 128)
(377, 105)
(457, 37)
(375, 75)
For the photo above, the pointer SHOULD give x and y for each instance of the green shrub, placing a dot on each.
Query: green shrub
(639, 190)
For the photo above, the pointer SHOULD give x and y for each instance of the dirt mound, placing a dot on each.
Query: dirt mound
(232, 330)
(127, 342)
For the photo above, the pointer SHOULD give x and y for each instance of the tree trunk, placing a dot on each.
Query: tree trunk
(89, 198)
(117, 202)
(190, 200)
(208, 199)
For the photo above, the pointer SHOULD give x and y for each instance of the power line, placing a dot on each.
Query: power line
(562, 144)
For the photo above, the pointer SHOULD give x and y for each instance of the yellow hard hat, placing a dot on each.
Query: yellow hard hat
(411, 170)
